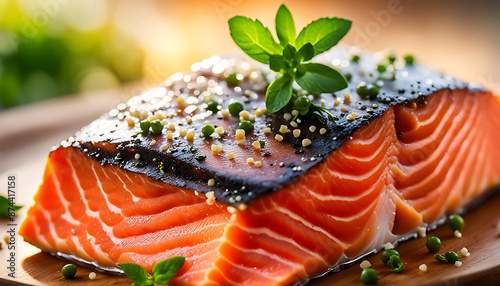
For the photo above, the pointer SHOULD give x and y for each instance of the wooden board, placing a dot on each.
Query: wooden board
(24, 150)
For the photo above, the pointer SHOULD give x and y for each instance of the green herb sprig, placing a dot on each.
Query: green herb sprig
(163, 271)
(291, 57)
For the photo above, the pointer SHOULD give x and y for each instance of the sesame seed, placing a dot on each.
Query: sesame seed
(137, 156)
(343, 109)
(225, 113)
(216, 149)
(151, 118)
(231, 209)
(130, 122)
(179, 100)
(230, 155)
(347, 97)
(365, 264)
(465, 251)
(189, 119)
(334, 138)
(170, 135)
(210, 198)
(242, 207)
(322, 131)
(283, 129)
(257, 113)
(240, 134)
(295, 112)
(313, 159)
(240, 142)
(211, 182)
(250, 161)
(303, 159)
(278, 137)
(287, 116)
(337, 102)
(299, 121)
(422, 267)
(171, 127)
(219, 130)
(164, 122)
(258, 164)
(263, 110)
(388, 246)
(299, 168)
(294, 124)
(296, 133)
(266, 130)
(256, 145)
(190, 135)
(143, 114)
(92, 275)
(351, 116)
(182, 133)
(164, 147)
(312, 128)
(306, 142)
(196, 193)
(374, 105)
(422, 232)
(458, 263)
(244, 114)
(238, 198)
(153, 142)
(457, 234)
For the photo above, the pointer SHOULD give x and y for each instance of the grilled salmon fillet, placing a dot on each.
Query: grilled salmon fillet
(425, 146)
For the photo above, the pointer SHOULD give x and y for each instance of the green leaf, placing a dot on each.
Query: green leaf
(439, 257)
(318, 78)
(5, 204)
(135, 272)
(164, 270)
(279, 93)
(285, 28)
(306, 52)
(277, 63)
(290, 55)
(323, 33)
(253, 38)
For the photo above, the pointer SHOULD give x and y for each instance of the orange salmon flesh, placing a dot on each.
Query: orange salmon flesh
(406, 169)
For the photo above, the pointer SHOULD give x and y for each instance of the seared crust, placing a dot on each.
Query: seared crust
(178, 161)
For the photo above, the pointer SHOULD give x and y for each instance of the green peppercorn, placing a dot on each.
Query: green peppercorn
(213, 106)
(235, 108)
(362, 90)
(369, 276)
(207, 130)
(302, 104)
(409, 59)
(232, 80)
(68, 271)
(391, 59)
(433, 244)
(451, 256)
(145, 126)
(246, 125)
(456, 222)
(156, 127)
(386, 255)
(355, 59)
(381, 68)
(348, 76)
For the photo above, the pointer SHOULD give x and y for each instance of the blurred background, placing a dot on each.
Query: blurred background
(54, 48)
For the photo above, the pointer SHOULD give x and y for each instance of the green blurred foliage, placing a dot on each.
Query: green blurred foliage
(36, 63)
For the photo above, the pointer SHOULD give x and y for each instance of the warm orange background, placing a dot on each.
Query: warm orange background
(459, 37)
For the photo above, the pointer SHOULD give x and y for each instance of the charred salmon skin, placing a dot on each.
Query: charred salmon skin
(278, 204)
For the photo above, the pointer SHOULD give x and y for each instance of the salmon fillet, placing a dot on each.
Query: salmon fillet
(362, 183)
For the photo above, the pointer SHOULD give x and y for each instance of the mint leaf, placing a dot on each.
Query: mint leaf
(253, 38)
(135, 273)
(285, 28)
(279, 93)
(318, 78)
(323, 34)
(277, 63)
(306, 52)
(164, 270)
(5, 204)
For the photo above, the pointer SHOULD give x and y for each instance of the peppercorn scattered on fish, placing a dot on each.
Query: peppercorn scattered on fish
(316, 195)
